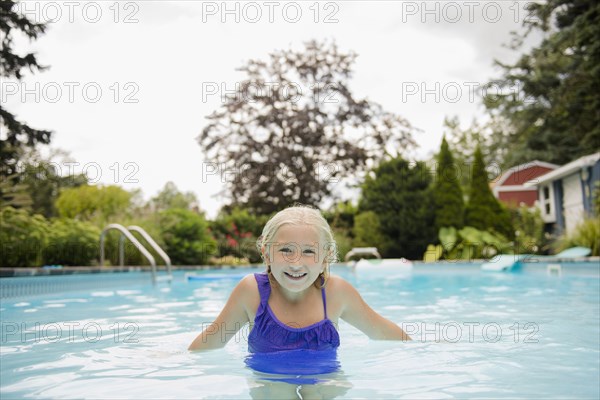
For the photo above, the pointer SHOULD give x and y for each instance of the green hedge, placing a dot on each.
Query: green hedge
(32, 241)
(72, 242)
(23, 238)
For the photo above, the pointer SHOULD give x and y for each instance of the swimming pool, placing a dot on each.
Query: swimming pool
(477, 335)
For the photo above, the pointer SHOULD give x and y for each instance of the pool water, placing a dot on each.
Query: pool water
(476, 335)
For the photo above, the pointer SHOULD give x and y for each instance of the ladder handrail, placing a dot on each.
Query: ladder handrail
(154, 245)
(133, 240)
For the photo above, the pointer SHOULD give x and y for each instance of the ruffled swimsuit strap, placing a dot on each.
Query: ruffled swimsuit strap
(264, 290)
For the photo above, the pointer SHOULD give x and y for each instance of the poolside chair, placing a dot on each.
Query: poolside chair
(506, 262)
(574, 252)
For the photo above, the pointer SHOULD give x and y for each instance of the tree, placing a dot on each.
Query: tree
(18, 134)
(43, 182)
(93, 203)
(398, 193)
(171, 197)
(483, 211)
(367, 230)
(447, 194)
(341, 216)
(294, 128)
(551, 96)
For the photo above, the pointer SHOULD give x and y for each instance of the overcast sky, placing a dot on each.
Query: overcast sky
(124, 92)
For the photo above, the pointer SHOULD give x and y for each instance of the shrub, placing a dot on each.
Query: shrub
(72, 242)
(229, 260)
(22, 238)
(236, 231)
(186, 237)
(586, 234)
(529, 230)
(467, 243)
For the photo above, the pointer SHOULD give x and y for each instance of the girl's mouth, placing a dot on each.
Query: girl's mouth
(295, 276)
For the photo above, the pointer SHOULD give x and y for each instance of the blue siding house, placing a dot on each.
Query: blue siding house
(566, 195)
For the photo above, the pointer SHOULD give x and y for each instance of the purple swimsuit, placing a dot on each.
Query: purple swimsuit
(270, 335)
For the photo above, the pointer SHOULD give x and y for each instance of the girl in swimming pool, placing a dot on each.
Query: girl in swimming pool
(296, 303)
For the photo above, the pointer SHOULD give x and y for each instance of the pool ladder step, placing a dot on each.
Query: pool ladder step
(126, 234)
(164, 278)
(554, 269)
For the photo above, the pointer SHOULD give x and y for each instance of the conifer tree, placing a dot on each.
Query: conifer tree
(447, 194)
(483, 211)
(16, 134)
(399, 193)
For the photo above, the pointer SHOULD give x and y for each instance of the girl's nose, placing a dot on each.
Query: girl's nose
(294, 259)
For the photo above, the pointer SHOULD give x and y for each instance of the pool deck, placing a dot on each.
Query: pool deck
(588, 264)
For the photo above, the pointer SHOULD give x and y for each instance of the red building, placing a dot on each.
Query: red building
(510, 189)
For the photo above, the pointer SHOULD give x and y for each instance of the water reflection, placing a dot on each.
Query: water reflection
(296, 374)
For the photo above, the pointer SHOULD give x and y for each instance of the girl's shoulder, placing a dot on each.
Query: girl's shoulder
(246, 290)
(248, 295)
(248, 284)
(337, 284)
(339, 290)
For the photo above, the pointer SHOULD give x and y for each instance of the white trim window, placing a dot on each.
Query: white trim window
(547, 202)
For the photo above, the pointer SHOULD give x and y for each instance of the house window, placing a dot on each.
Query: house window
(546, 201)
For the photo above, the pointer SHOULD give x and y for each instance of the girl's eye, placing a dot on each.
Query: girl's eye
(286, 250)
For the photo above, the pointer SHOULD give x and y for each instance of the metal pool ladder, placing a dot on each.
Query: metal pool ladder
(126, 234)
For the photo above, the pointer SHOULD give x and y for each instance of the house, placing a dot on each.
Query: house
(510, 188)
(567, 194)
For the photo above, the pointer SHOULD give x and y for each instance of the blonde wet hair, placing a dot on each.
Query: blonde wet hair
(299, 214)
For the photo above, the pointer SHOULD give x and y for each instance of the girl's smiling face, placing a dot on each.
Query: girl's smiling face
(296, 257)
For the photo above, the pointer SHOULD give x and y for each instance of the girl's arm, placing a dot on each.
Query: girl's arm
(231, 319)
(358, 313)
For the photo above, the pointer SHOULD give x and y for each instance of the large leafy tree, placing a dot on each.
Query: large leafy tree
(16, 134)
(398, 192)
(171, 197)
(99, 204)
(294, 128)
(552, 93)
(42, 181)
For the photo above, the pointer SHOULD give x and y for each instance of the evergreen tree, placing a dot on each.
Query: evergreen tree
(447, 194)
(16, 135)
(483, 211)
(550, 97)
(398, 192)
